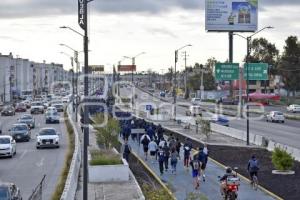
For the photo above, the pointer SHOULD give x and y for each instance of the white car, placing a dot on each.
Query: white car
(275, 116)
(37, 107)
(51, 109)
(47, 137)
(196, 101)
(7, 146)
(194, 110)
(293, 108)
(66, 99)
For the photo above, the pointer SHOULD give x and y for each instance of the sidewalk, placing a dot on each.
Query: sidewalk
(182, 182)
(108, 191)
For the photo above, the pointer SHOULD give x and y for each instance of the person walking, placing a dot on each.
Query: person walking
(205, 151)
(167, 155)
(178, 146)
(145, 140)
(172, 143)
(202, 157)
(187, 153)
(174, 160)
(126, 149)
(196, 165)
(153, 149)
(161, 159)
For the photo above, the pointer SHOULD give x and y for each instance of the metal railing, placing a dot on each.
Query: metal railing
(37, 193)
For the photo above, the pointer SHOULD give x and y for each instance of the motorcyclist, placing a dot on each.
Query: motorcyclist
(228, 173)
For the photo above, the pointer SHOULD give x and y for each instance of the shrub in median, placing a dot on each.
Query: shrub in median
(105, 157)
(282, 160)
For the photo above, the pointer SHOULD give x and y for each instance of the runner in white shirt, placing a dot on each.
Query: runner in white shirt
(152, 148)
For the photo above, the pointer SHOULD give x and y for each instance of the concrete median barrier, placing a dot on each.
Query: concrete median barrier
(72, 179)
(293, 151)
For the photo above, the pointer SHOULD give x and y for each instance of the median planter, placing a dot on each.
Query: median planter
(107, 166)
(283, 162)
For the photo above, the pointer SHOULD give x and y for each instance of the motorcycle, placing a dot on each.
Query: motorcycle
(232, 187)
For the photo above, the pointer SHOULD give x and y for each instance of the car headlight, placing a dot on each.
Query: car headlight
(39, 139)
(8, 148)
(56, 139)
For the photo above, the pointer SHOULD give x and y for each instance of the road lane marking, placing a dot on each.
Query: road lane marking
(23, 154)
(41, 163)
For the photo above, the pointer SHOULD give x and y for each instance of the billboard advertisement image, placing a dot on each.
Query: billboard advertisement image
(231, 15)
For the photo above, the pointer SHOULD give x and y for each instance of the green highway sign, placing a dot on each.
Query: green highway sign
(227, 71)
(256, 71)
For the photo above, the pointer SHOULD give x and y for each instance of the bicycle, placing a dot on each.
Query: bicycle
(254, 182)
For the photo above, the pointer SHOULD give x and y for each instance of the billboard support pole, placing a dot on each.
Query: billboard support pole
(230, 34)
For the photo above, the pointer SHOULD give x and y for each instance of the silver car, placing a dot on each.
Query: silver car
(20, 132)
(27, 119)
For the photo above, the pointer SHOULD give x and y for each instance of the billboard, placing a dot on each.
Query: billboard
(126, 68)
(96, 68)
(231, 15)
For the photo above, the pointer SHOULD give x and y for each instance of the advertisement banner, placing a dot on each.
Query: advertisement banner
(231, 15)
(81, 13)
(96, 68)
(126, 68)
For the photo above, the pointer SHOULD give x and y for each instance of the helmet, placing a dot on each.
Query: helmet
(228, 170)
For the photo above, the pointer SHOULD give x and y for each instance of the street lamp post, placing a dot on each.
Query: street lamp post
(249, 38)
(175, 81)
(133, 63)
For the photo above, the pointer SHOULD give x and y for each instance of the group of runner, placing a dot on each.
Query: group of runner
(167, 151)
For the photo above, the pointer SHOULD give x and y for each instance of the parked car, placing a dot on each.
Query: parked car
(220, 119)
(7, 146)
(8, 111)
(275, 116)
(59, 107)
(20, 107)
(52, 117)
(9, 191)
(20, 132)
(293, 108)
(37, 107)
(27, 119)
(66, 99)
(196, 101)
(194, 111)
(47, 137)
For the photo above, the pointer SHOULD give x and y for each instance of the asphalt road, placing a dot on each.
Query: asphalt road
(287, 133)
(28, 167)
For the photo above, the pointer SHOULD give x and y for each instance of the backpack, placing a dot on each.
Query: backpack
(254, 165)
(196, 165)
(127, 149)
(161, 156)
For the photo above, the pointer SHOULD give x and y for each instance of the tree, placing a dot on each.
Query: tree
(107, 135)
(264, 51)
(289, 66)
(194, 81)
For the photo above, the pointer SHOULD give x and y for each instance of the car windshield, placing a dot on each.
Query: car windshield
(4, 193)
(36, 104)
(20, 128)
(47, 132)
(278, 113)
(4, 141)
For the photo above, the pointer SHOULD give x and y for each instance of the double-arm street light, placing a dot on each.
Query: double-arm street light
(133, 63)
(249, 38)
(175, 81)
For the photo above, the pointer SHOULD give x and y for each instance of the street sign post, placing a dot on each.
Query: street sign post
(256, 71)
(227, 71)
(148, 107)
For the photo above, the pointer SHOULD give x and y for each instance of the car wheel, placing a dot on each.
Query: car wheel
(37, 147)
(57, 147)
(282, 121)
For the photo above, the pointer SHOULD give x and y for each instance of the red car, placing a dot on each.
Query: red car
(20, 108)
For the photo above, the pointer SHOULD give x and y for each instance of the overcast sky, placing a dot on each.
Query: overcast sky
(117, 28)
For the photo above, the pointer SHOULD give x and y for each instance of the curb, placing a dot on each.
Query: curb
(155, 176)
(248, 181)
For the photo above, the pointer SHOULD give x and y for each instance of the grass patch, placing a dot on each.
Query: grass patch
(63, 177)
(104, 157)
(152, 193)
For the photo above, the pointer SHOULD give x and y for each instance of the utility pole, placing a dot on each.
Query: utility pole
(185, 76)
(201, 84)
(231, 58)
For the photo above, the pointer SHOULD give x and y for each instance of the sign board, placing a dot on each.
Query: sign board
(231, 15)
(148, 107)
(96, 68)
(227, 71)
(126, 68)
(81, 14)
(256, 71)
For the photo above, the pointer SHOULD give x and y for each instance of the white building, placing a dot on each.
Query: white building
(20, 76)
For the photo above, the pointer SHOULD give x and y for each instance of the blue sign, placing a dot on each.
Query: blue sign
(149, 107)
